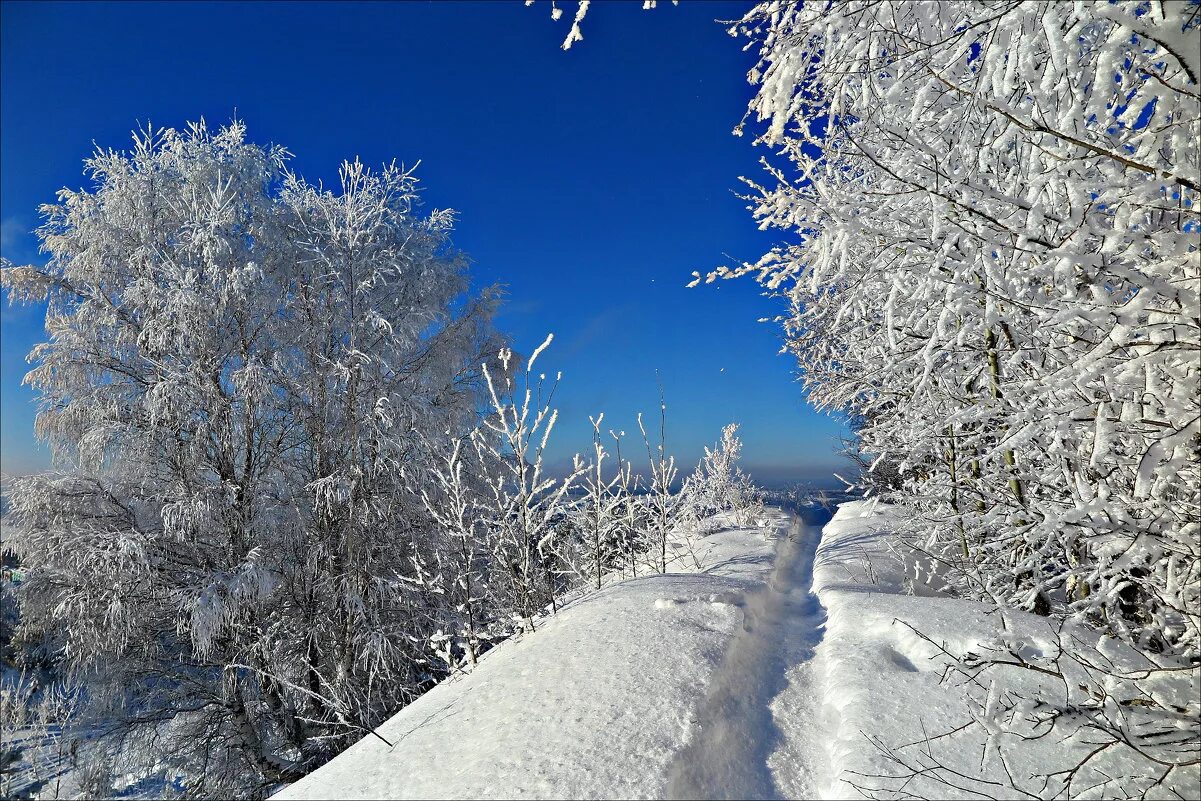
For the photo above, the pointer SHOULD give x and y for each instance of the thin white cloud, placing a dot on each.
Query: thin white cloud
(17, 241)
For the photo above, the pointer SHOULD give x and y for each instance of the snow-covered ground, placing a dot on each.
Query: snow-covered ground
(645, 689)
(897, 722)
(730, 680)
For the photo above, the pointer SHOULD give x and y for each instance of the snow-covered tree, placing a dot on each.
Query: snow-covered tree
(997, 271)
(718, 484)
(523, 505)
(600, 508)
(241, 369)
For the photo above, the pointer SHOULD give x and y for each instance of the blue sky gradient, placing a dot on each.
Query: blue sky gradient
(591, 182)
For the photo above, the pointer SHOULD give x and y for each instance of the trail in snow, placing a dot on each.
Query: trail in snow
(600, 702)
(740, 743)
(711, 685)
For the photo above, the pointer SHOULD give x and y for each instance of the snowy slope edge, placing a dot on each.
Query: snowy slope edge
(597, 703)
(904, 723)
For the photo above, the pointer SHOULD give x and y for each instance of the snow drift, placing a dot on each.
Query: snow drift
(604, 699)
(728, 679)
(908, 716)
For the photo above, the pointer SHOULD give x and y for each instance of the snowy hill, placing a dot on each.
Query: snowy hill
(604, 700)
(725, 680)
(908, 711)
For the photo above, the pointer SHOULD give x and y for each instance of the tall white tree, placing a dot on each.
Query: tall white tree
(996, 273)
(241, 368)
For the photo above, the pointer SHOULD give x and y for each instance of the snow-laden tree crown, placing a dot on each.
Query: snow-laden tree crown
(242, 370)
(996, 274)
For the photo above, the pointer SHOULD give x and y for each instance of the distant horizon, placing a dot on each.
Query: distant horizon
(768, 477)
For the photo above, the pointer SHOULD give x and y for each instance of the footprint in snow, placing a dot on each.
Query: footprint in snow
(716, 599)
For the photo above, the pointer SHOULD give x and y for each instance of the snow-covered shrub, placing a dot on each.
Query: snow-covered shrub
(451, 490)
(718, 484)
(39, 747)
(509, 538)
(664, 508)
(631, 530)
(523, 507)
(241, 369)
(9, 618)
(600, 508)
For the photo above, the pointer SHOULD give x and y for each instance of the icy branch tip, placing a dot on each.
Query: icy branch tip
(539, 350)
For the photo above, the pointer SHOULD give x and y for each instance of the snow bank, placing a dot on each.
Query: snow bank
(716, 681)
(596, 703)
(901, 725)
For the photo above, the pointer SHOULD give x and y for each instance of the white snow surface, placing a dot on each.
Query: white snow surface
(643, 689)
(728, 679)
(881, 680)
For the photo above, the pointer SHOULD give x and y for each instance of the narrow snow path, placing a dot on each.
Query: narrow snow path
(749, 742)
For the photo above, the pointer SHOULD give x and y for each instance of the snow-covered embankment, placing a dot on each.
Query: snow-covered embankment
(644, 689)
(905, 720)
(716, 681)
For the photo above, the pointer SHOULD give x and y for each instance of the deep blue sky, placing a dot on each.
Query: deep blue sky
(590, 182)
